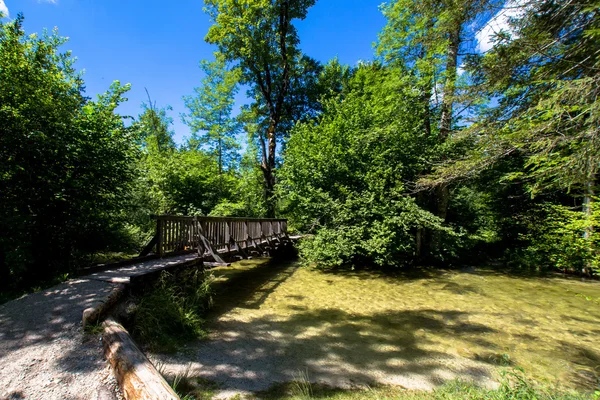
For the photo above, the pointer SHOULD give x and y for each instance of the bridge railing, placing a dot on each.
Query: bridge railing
(213, 235)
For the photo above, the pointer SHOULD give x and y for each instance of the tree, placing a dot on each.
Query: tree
(542, 75)
(210, 111)
(153, 129)
(174, 180)
(258, 35)
(66, 162)
(344, 173)
(247, 198)
(424, 38)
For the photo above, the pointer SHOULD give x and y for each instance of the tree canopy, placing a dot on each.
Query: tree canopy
(435, 152)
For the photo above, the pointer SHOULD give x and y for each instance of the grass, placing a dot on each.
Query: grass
(514, 386)
(109, 257)
(94, 328)
(171, 312)
(189, 388)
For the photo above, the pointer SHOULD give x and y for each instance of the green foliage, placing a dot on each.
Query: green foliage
(476, 223)
(154, 129)
(171, 312)
(249, 34)
(172, 180)
(537, 129)
(344, 174)
(259, 37)
(94, 328)
(545, 104)
(210, 112)
(189, 388)
(557, 239)
(66, 162)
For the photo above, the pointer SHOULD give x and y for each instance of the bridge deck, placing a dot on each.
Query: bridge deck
(124, 274)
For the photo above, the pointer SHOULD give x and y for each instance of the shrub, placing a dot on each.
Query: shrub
(172, 311)
(556, 239)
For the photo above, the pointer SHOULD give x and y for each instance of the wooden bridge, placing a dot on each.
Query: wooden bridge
(216, 238)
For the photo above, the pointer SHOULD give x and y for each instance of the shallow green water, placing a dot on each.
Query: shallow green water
(548, 326)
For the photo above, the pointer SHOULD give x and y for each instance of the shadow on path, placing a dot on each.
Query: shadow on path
(43, 351)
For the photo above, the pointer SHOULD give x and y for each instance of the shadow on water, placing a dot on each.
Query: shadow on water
(415, 328)
(586, 362)
(249, 287)
(337, 348)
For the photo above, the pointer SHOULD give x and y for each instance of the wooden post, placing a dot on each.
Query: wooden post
(228, 236)
(247, 235)
(159, 234)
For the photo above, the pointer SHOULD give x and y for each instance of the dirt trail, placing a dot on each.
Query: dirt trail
(43, 351)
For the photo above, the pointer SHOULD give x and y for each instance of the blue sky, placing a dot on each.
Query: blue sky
(157, 45)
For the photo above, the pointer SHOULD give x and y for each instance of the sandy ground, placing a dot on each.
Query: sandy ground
(43, 351)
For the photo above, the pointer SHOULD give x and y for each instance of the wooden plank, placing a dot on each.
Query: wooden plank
(237, 247)
(211, 250)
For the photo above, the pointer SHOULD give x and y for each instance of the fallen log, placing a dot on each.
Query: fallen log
(137, 377)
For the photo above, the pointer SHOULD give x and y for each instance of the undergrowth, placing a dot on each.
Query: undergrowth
(514, 385)
(171, 312)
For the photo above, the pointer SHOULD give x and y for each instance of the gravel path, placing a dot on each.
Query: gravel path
(43, 351)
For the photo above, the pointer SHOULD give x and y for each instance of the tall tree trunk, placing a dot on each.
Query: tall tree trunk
(268, 167)
(426, 100)
(220, 145)
(450, 81)
(220, 156)
(442, 192)
(275, 109)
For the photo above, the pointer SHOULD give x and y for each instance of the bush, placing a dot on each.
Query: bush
(66, 162)
(344, 175)
(171, 312)
(557, 239)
